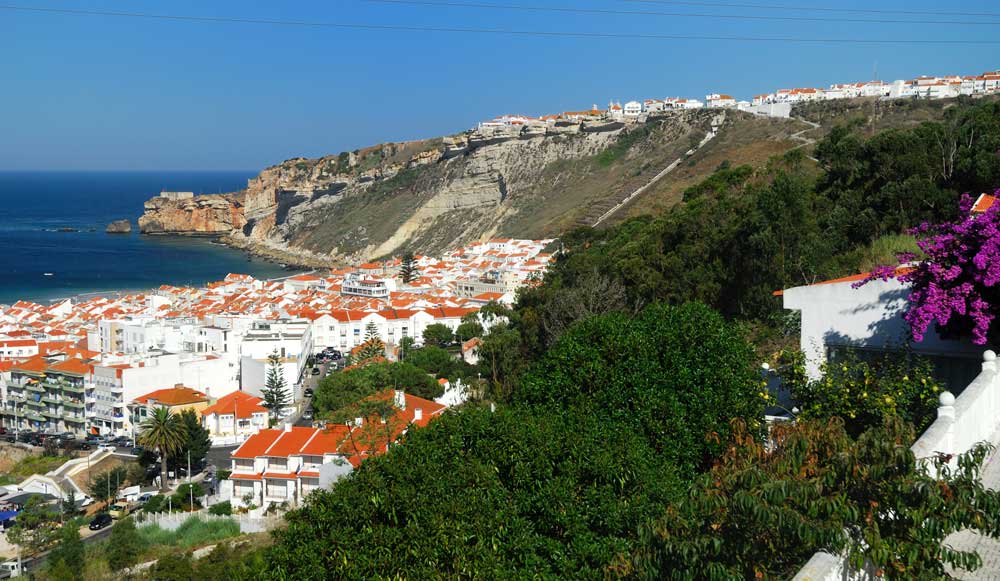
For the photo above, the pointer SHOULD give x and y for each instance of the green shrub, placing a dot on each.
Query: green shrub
(192, 533)
(155, 503)
(222, 509)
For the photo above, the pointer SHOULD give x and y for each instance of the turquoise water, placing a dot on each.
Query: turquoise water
(37, 204)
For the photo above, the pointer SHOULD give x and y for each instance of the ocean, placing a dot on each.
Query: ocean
(40, 263)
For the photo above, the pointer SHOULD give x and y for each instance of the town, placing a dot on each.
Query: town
(777, 103)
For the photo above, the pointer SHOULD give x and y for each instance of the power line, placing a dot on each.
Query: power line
(812, 8)
(565, 10)
(495, 31)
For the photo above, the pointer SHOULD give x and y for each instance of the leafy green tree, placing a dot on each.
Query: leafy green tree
(765, 508)
(105, 486)
(501, 360)
(408, 268)
(181, 499)
(197, 441)
(162, 431)
(125, 545)
(438, 334)
(469, 327)
(36, 527)
(372, 347)
(406, 345)
(506, 495)
(676, 374)
(66, 557)
(275, 392)
(69, 509)
(863, 393)
(343, 389)
(155, 503)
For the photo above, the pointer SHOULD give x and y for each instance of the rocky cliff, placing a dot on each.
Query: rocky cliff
(430, 195)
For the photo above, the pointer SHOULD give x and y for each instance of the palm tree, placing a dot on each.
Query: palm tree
(163, 432)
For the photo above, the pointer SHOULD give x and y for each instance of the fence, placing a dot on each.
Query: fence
(961, 423)
(172, 521)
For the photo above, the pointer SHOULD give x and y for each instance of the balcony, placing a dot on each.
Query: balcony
(51, 400)
(75, 418)
(72, 388)
(35, 388)
(32, 416)
(36, 404)
(51, 414)
(73, 404)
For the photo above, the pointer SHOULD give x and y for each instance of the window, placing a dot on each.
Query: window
(277, 464)
(277, 489)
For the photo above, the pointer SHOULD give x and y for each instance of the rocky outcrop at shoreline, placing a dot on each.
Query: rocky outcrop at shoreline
(119, 227)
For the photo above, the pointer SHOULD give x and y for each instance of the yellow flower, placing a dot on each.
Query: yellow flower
(864, 394)
(888, 399)
(906, 378)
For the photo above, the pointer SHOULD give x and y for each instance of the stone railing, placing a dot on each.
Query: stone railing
(962, 423)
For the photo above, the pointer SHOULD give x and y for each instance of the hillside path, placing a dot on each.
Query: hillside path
(639, 191)
(797, 136)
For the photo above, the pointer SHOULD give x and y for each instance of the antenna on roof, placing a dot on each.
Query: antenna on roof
(875, 71)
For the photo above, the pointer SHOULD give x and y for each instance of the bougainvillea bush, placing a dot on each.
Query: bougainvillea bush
(957, 285)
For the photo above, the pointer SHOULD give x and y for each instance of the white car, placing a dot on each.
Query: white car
(106, 448)
(10, 569)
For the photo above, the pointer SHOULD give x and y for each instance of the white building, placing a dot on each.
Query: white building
(720, 101)
(291, 340)
(632, 109)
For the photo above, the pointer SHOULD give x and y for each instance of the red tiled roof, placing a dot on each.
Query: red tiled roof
(851, 278)
(240, 403)
(326, 441)
(290, 442)
(256, 444)
(177, 395)
(282, 475)
(983, 203)
(237, 476)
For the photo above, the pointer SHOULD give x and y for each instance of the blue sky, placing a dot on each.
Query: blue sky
(102, 92)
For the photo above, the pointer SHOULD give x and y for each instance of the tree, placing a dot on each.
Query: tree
(518, 493)
(69, 509)
(957, 286)
(678, 375)
(765, 508)
(105, 486)
(408, 268)
(438, 334)
(162, 431)
(469, 327)
(405, 347)
(185, 492)
(373, 346)
(343, 389)
(36, 526)
(65, 559)
(125, 545)
(275, 392)
(863, 393)
(197, 441)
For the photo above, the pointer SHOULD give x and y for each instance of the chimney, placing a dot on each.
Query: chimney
(399, 400)
(418, 414)
(288, 426)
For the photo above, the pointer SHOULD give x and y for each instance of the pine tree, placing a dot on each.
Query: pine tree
(274, 392)
(373, 346)
(408, 269)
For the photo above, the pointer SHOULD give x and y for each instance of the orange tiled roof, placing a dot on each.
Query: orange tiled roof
(240, 403)
(177, 395)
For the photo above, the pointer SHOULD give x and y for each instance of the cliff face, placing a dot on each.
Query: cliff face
(434, 194)
(199, 215)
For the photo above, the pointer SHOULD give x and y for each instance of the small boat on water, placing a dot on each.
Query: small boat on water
(46, 274)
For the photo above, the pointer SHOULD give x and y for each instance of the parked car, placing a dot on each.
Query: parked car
(10, 569)
(315, 371)
(67, 436)
(83, 446)
(121, 509)
(145, 496)
(106, 448)
(3, 430)
(307, 415)
(308, 392)
(137, 450)
(100, 521)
